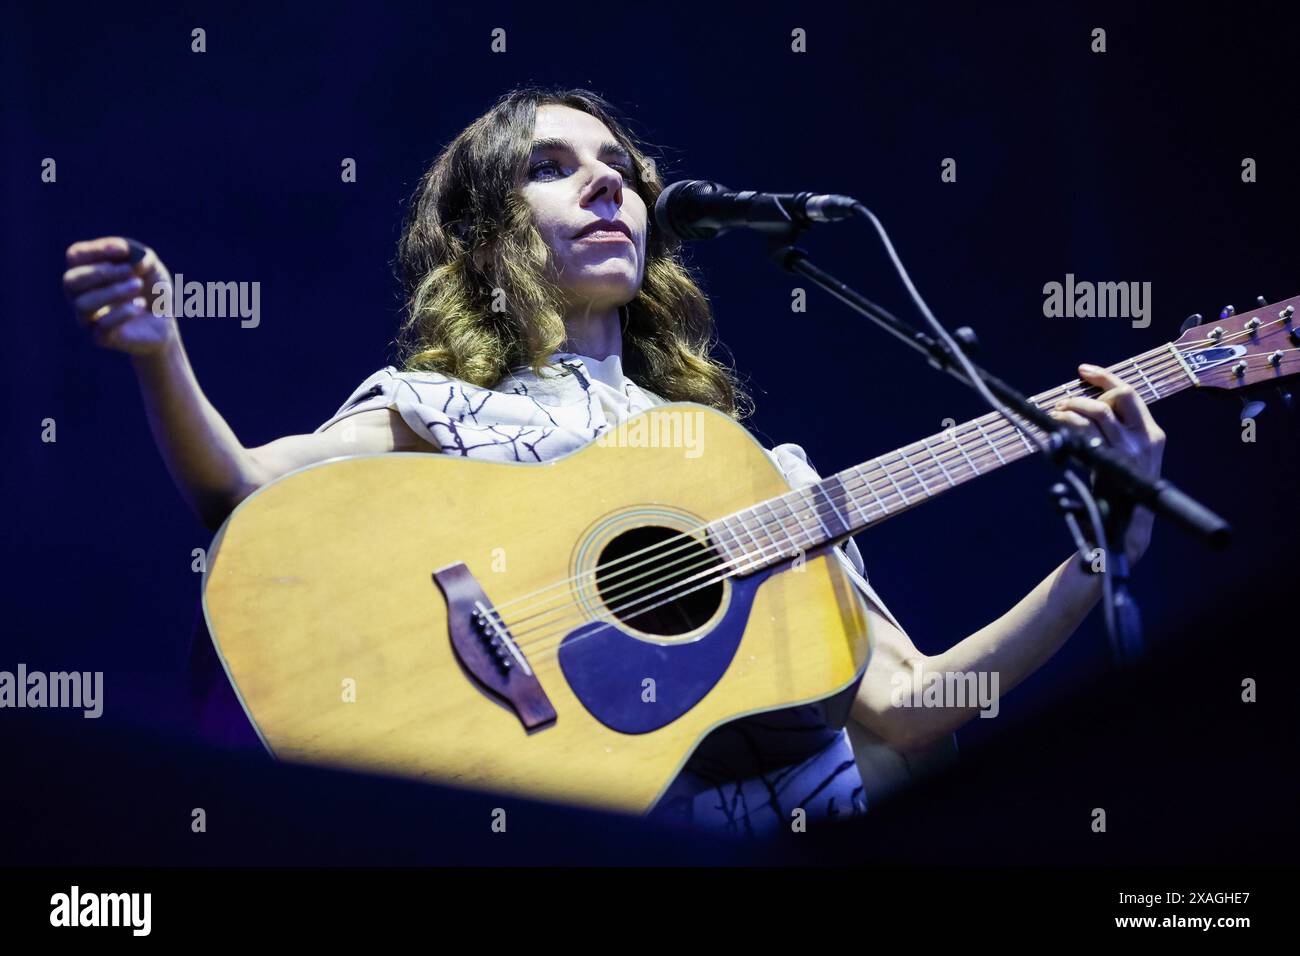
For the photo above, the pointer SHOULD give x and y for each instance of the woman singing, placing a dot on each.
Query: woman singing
(542, 309)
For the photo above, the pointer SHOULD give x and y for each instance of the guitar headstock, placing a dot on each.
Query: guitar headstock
(1259, 346)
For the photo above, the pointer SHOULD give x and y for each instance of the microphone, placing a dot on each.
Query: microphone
(698, 209)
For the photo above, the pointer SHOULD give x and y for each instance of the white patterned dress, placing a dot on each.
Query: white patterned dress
(750, 776)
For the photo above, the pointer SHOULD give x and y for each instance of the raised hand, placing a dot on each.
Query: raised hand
(113, 285)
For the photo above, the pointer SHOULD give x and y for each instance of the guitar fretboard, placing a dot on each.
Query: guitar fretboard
(859, 497)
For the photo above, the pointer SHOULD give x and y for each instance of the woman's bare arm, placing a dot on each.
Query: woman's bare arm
(210, 466)
(1012, 647)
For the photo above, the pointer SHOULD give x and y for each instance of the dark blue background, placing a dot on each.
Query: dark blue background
(1116, 167)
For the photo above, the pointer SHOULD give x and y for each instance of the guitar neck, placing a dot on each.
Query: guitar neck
(864, 495)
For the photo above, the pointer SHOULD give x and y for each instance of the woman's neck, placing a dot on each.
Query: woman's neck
(597, 334)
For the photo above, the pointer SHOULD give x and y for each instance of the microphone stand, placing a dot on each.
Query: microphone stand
(1118, 487)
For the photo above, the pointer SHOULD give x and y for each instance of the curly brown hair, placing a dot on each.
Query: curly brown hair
(468, 202)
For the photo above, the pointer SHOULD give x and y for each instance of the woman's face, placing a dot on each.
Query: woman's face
(576, 176)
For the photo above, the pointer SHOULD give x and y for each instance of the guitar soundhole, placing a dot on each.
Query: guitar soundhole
(659, 580)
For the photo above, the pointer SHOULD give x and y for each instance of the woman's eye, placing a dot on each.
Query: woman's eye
(553, 165)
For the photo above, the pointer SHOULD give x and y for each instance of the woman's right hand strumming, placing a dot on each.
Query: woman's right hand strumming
(114, 294)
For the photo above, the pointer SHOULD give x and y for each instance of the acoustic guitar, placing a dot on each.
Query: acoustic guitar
(573, 629)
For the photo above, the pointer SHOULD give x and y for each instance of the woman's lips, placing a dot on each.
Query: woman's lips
(603, 235)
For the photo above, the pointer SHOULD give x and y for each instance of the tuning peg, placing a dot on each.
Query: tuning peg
(1251, 409)
(1192, 321)
(1260, 302)
(1285, 395)
(1228, 312)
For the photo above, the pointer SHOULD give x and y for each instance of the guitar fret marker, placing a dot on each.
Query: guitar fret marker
(803, 493)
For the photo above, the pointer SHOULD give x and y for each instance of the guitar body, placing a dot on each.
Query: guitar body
(321, 600)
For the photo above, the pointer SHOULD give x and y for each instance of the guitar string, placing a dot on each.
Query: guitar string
(974, 430)
(711, 561)
(544, 656)
(713, 569)
(620, 590)
(618, 586)
(672, 597)
(669, 599)
(547, 650)
(1169, 370)
(945, 444)
(744, 562)
(693, 544)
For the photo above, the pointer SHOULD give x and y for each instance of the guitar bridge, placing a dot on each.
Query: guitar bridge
(487, 650)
